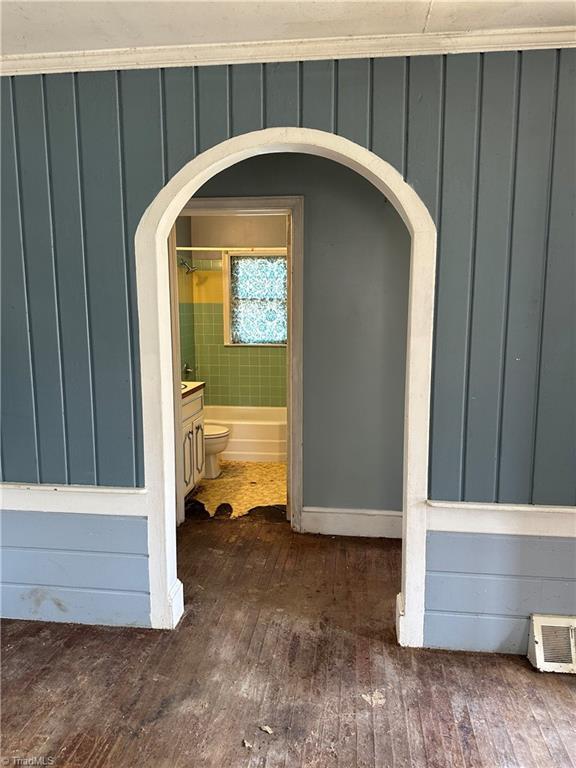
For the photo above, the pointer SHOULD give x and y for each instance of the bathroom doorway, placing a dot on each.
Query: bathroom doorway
(232, 285)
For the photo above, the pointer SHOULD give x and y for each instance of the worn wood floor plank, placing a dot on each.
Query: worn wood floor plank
(286, 630)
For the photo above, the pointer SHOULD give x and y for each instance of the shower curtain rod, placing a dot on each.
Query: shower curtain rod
(211, 249)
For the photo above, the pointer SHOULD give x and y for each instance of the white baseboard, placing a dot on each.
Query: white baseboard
(352, 522)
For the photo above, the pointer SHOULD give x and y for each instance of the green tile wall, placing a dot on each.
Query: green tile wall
(187, 351)
(247, 376)
(208, 265)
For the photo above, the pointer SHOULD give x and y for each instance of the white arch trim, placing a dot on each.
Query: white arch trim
(152, 276)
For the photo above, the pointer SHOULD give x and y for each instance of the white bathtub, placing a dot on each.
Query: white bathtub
(256, 434)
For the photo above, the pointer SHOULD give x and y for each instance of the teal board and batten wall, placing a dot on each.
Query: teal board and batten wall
(91, 569)
(482, 588)
(487, 142)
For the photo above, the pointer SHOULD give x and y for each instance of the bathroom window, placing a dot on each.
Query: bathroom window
(256, 312)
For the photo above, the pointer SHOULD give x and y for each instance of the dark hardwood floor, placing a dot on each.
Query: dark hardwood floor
(294, 632)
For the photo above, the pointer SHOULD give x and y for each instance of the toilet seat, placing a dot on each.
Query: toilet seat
(215, 430)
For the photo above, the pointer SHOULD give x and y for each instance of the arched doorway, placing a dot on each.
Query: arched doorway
(156, 364)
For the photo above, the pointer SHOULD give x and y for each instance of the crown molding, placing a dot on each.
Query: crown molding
(376, 46)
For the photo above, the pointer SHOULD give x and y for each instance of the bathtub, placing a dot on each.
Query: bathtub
(256, 434)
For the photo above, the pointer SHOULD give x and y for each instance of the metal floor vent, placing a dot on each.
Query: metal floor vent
(552, 643)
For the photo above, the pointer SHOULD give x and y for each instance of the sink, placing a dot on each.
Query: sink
(190, 386)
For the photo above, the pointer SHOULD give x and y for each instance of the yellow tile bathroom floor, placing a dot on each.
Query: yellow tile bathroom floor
(244, 485)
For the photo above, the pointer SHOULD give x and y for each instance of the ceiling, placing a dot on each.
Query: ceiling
(68, 35)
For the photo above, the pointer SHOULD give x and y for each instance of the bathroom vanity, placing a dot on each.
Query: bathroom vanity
(193, 433)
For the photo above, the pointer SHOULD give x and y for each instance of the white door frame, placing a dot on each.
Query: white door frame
(166, 594)
(293, 207)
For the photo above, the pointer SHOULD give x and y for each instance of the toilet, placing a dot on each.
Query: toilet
(215, 441)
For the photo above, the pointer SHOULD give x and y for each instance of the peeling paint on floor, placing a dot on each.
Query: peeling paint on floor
(243, 486)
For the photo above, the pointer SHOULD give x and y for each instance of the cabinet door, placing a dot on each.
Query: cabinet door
(199, 455)
(188, 455)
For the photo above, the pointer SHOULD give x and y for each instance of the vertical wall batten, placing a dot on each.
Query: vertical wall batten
(29, 339)
(28, 102)
(93, 465)
(538, 376)
(229, 101)
(246, 95)
(495, 178)
(55, 286)
(527, 264)
(299, 93)
(554, 478)
(162, 107)
(62, 143)
(440, 194)
(130, 312)
(18, 405)
(370, 105)
(388, 106)
(473, 260)
(141, 135)
(490, 152)
(262, 68)
(353, 99)
(316, 95)
(98, 114)
(212, 106)
(196, 108)
(441, 144)
(424, 128)
(334, 122)
(281, 84)
(453, 291)
(406, 117)
(179, 123)
(504, 336)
